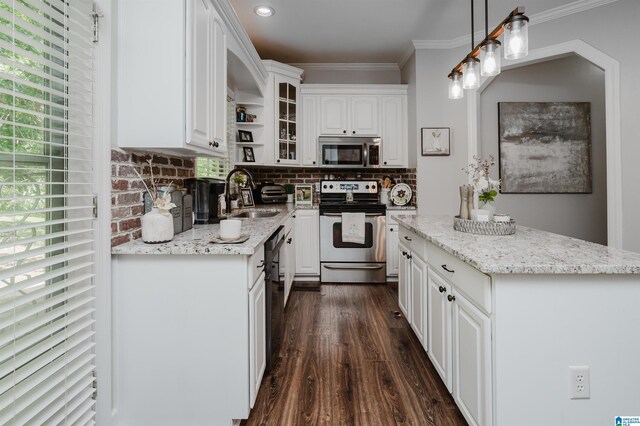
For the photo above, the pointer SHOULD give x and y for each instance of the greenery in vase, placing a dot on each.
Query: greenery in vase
(289, 188)
(483, 185)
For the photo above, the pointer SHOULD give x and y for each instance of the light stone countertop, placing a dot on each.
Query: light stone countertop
(196, 240)
(392, 207)
(528, 251)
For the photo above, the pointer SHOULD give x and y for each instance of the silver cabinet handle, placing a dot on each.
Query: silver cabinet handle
(340, 214)
(447, 269)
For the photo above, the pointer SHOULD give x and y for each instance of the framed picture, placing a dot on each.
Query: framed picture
(304, 194)
(247, 197)
(435, 141)
(248, 154)
(544, 147)
(245, 136)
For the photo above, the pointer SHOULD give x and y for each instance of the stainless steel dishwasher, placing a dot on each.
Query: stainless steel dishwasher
(275, 295)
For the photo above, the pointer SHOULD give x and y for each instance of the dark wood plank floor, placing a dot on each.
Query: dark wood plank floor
(347, 360)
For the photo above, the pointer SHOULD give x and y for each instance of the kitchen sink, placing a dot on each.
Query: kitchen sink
(254, 214)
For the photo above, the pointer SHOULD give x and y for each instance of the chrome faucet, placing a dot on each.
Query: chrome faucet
(227, 192)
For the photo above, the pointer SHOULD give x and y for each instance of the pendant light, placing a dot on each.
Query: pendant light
(516, 37)
(471, 65)
(489, 56)
(471, 73)
(455, 85)
(516, 45)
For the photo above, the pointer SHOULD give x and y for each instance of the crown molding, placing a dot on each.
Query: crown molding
(284, 69)
(402, 61)
(539, 18)
(327, 66)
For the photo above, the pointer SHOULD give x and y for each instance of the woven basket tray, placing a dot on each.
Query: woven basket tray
(484, 228)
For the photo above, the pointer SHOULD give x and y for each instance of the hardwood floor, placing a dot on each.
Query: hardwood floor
(347, 360)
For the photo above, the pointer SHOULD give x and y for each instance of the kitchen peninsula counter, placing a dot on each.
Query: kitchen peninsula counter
(528, 251)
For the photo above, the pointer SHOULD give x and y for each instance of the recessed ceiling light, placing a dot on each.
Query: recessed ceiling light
(264, 11)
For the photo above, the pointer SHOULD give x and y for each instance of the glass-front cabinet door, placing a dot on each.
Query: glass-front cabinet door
(287, 130)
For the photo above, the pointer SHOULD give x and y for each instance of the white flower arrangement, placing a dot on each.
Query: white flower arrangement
(486, 187)
(162, 203)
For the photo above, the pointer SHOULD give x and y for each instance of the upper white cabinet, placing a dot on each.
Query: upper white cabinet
(356, 110)
(309, 138)
(349, 115)
(393, 125)
(172, 80)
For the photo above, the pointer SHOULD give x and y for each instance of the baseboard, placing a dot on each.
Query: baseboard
(307, 278)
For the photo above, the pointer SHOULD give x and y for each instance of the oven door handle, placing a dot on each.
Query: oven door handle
(370, 267)
(340, 214)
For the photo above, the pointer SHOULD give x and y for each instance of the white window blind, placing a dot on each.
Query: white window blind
(215, 167)
(46, 213)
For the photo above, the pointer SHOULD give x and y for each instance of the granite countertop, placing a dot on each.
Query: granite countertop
(528, 251)
(196, 240)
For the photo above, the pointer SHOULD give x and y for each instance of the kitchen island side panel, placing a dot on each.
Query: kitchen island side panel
(542, 324)
(181, 347)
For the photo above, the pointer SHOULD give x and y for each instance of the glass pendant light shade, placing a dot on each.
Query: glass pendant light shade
(471, 73)
(489, 58)
(455, 85)
(516, 37)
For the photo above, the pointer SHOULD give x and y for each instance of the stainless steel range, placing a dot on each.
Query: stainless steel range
(349, 262)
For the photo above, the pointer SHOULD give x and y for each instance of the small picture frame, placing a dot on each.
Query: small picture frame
(245, 136)
(436, 141)
(249, 157)
(304, 194)
(247, 197)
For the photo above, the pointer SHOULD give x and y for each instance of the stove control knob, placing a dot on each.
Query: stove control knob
(367, 186)
(373, 187)
(324, 186)
(330, 186)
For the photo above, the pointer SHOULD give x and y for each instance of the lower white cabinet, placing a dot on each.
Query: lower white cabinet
(393, 233)
(307, 253)
(471, 360)
(418, 296)
(439, 327)
(404, 280)
(257, 337)
(288, 253)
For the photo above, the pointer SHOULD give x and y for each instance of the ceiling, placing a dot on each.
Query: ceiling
(365, 31)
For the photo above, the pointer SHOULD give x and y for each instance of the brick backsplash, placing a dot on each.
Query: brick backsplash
(313, 175)
(127, 190)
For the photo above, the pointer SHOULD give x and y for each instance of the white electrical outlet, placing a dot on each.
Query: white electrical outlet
(579, 382)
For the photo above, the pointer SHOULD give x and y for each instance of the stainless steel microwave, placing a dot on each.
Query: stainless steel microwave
(349, 151)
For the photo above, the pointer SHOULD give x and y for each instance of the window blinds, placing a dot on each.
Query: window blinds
(46, 213)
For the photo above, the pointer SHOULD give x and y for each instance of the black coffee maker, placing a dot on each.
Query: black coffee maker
(205, 193)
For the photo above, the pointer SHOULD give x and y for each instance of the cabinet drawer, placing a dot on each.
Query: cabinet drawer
(467, 279)
(255, 266)
(416, 243)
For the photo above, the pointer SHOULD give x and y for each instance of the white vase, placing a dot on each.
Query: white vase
(157, 226)
(489, 206)
(290, 198)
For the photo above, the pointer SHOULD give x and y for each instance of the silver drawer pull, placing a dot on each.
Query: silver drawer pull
(353, 267)
(340, 214)
(447, 269)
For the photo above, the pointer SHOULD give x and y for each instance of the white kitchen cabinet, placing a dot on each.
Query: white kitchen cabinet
(349, 115)
(459, 333)
(404, 280)
(307, 224)
(287, 97)
(172, 82)
(393, 126)
(309, 138)
(471, 360)
(288, 253)
(392, 241)
(439, 339)
(257, 337)
(418, 297)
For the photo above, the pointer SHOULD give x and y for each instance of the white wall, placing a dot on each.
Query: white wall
(571, 79)
(612, 29)
(350, 74)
